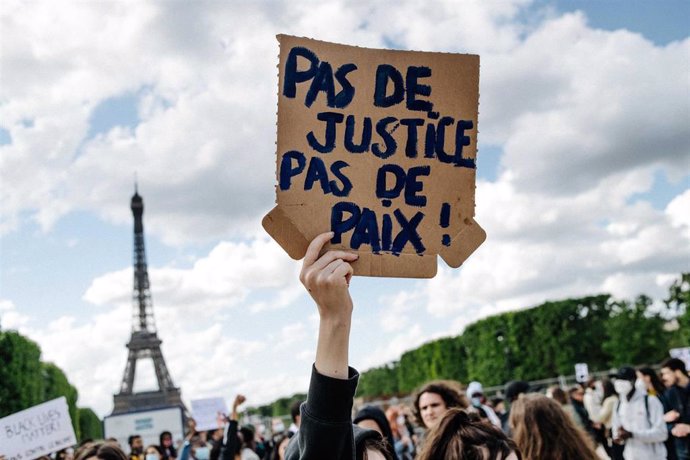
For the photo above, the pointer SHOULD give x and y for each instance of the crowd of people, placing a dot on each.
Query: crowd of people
(635, 414)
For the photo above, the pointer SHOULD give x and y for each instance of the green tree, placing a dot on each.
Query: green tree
(56, 385)
(678, 301)
(90, 426)
(21, 379)
(635, 334)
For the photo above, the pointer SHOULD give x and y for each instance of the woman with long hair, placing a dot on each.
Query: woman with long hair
(465, 436)
(543, 431)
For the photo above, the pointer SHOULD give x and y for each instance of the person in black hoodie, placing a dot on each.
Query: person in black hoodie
(374, 418)
(326, 430)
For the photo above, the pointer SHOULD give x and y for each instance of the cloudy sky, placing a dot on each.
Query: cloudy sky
(583, 176)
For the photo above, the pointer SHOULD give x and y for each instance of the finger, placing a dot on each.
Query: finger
(330, 256)
(330, 268)
(344, 270)
(315, 248)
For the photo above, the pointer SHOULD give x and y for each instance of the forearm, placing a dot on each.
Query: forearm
(332, 347)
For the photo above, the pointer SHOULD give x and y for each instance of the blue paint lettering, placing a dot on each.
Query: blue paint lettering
(365, 140)
(288, 170)
(331, 119)
(414, 89)
(391, 145)
(384, 74)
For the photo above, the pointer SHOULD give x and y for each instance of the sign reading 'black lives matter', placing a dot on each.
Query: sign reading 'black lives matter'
(380, 147)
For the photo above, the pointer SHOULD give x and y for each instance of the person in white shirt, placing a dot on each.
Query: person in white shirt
(638, 420)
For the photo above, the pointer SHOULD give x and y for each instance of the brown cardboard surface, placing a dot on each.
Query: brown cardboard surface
(425, 205)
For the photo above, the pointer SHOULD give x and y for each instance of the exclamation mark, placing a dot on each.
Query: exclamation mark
(445, 222)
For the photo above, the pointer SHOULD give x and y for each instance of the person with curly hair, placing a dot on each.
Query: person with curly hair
(434, 398)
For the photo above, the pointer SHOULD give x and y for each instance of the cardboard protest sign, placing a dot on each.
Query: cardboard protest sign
(378, 146)
(37, 431)
(206, 411)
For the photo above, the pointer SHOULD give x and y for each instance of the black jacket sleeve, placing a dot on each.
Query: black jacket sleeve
(230, 442)
(326, 430)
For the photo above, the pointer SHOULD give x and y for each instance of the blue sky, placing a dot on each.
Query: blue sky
(186, 101)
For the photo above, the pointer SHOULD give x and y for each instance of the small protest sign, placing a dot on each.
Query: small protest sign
(380, 147)
(581, 372)
(37, 431)
(206, 412)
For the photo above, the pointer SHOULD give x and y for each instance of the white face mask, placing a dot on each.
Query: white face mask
(640, 386)
(622, 387)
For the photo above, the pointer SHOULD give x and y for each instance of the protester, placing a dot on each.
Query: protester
(152, 452)
(655, 388)
(294, 413)
(512, 390)
(434, 398)
(577, 396)
(136, 447)
(326, 431)
(231, 440)
(195, 445)
(373, 418)
(215, 439)
(403, 442)
(248, 444)
(101, 450)
(465, 436)
(543, 431)
(638, 420)
(280, 443)
(475, 392)
(605, 419)
(677, 395)
(557, 394)
(592, 398)
(166, 444)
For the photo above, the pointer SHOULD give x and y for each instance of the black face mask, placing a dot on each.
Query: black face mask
(137, 450)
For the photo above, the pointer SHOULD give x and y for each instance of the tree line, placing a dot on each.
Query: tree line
(535, 343)
(544, 341)
(26, 381)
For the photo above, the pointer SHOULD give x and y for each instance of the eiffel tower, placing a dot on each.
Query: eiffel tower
(144, 342)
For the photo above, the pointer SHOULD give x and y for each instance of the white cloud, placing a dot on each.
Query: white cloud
(10, 318)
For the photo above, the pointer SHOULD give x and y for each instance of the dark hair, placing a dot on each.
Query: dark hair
(449, 390)
(675, 364)
(460, 435)
(277, 441)
(559, 395)
(379, 417)
(167, 452)
(294, 410)
(102, 450)
(379, 445)
(132, 438)
(653, 378)
(247, 435)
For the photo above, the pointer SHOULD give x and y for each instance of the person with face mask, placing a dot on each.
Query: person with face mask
(152, 452)
(638, 420)
(476, 393)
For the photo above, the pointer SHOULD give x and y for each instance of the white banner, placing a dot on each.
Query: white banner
(148, 424)
(205, 413)
(37, 431)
